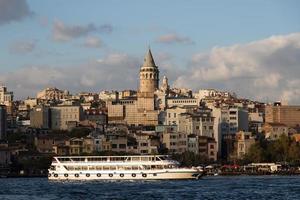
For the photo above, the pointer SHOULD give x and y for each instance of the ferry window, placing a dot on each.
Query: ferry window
(105, 167)
(135, 167)
(52, 167)
(91, 167)
(84, 167)
(135, 158)
(145, 158)
(113, 167)
(99, 167)
(147, 167)
(159, 167)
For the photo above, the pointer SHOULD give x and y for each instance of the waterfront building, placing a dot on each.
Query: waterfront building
(273, 131)
(3, 121)
(256, 121)
(244, 141)
(233, 120)
(101, 143)
(217, 114)
(198, 122)
(118, 143)
(145, 143)
(285, 114)
(236, 120)
(40, 117)
(203, 145)
(5, 158)
(64, 117)
(174, 141)
(46, 143)
(78, 146)
(172, 114)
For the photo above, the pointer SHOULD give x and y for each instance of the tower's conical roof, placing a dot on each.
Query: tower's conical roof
(148, 60)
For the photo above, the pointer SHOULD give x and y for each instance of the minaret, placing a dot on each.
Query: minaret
(165, 85)
(149, 75)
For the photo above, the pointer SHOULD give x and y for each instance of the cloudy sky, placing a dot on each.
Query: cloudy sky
(248, 47)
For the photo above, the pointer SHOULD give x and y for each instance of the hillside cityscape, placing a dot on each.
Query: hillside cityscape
(204, 127)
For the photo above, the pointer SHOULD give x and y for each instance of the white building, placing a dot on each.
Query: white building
(6, 97)
(183, 101)
(172, 114)
(106, 95)
(65, 116)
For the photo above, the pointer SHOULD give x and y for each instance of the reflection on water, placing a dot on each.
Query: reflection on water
(239, 187)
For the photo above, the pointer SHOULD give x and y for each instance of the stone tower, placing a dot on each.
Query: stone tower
(149, 75)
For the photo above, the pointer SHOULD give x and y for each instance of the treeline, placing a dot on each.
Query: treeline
(188, 159)
(284, 149)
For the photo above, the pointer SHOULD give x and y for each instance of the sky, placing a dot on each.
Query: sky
(249, 47)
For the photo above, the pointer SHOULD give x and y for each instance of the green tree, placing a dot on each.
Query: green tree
(255, 154)
(281, 148)
(294, 152)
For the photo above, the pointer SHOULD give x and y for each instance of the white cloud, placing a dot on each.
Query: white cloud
(174, 38)
(115, 71)
(262, 70)
(93, 42)
(13, 10)
(257, 70)
(63, 32)
(22, 47)
(271, 81)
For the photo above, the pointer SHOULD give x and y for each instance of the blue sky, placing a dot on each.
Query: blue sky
(177, 31)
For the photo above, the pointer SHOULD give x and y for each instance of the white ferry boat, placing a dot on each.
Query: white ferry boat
(119, 168)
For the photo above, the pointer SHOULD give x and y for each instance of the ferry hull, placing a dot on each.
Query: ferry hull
(126, 176)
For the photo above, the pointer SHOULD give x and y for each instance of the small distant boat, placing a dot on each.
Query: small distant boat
(152, 167)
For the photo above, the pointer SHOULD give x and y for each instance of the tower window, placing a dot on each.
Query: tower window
(150, 75)
(146, 75)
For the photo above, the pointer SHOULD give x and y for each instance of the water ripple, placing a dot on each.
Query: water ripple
(238, 187)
